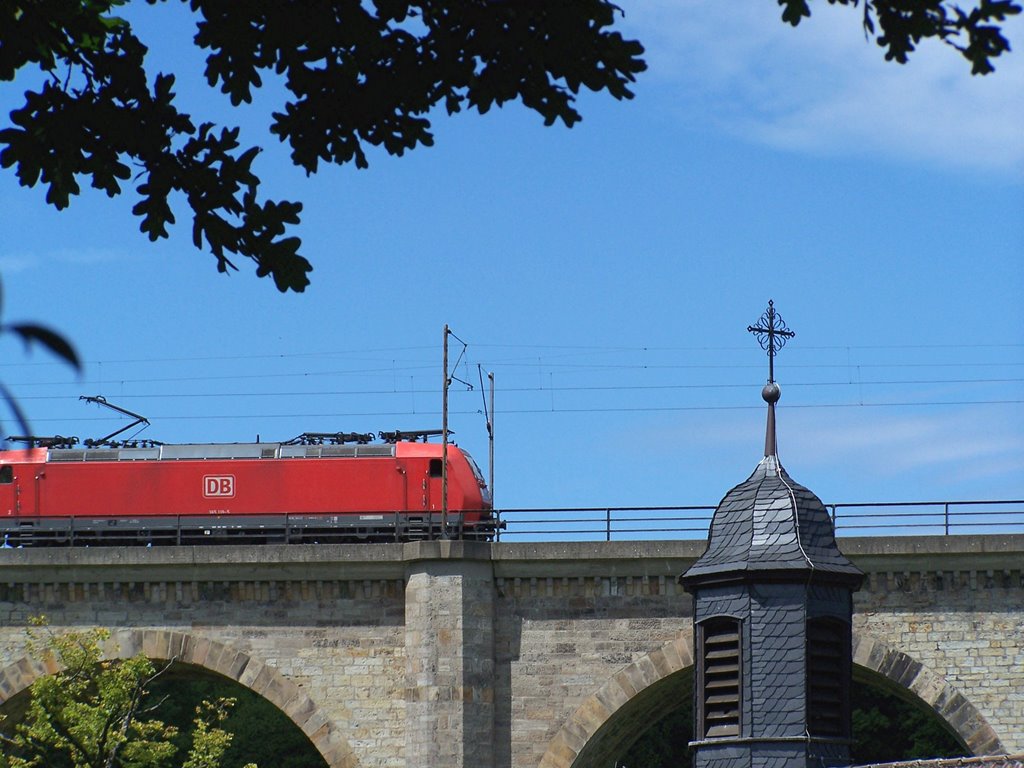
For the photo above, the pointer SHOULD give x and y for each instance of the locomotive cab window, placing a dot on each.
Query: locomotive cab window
(6, 474)
(435, 468)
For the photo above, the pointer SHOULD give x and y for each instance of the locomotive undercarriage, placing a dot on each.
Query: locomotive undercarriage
(248, 529)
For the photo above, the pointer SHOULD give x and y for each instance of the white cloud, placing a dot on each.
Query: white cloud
(856, 454)
(88, 256)
(14, 262)
(822, 88)
(975, 443)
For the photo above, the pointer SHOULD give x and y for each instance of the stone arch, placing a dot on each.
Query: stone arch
(585, 732)
(904, 673)
(214, 656)
(654, 677)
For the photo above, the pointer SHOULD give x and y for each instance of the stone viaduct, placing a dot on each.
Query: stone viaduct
(548, 655)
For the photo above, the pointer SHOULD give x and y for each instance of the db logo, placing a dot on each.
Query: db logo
(218, 485)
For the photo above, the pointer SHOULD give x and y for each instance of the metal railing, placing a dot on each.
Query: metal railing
(691, 522)
(945, 518)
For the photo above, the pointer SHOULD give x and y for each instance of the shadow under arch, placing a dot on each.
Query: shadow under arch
(613, 716)
(216, 657)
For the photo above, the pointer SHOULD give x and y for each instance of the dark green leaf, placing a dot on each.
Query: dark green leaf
(52, 340)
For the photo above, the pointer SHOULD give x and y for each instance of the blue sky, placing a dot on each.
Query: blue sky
(605, 274)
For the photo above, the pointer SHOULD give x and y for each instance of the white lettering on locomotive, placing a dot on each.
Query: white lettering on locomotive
(218, 486)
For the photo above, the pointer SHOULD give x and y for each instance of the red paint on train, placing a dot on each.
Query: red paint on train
(324, 485)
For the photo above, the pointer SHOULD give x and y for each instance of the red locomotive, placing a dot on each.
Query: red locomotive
(316, 488)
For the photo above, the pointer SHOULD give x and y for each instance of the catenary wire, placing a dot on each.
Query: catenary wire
(565, 347)
(519, 390)
(556, 409)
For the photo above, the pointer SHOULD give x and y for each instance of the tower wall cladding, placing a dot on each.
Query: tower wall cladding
(449, 654)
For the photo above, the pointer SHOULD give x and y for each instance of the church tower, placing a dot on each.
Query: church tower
(773, 602)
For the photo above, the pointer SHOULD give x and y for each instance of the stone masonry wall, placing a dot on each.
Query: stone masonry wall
(966, 627)
(558, 640)
(342, 642)
(509, 655)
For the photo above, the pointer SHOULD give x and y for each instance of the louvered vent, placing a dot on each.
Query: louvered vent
(721, 678)
(827, 653)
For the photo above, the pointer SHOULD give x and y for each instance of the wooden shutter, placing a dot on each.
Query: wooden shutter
(720, 694)
(827, 664)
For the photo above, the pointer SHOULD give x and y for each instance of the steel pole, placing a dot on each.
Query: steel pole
(444, 441)
(490, 447)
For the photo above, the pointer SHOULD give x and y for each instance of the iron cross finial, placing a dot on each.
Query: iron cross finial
(772, 334)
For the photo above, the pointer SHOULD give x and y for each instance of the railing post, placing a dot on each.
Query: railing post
(945, 516)
(608, 524)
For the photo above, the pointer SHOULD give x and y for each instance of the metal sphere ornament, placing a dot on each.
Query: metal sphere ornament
(771, 393)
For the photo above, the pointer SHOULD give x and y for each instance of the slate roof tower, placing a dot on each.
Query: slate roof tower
(773, 602)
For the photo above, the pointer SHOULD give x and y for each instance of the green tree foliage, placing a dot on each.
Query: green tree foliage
(95, 713)
(261, 733)
(886, 728)
(356, 74)
(666, 744)
(899, 26)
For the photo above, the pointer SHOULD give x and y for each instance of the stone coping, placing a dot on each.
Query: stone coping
(985, 761)
(321, 562)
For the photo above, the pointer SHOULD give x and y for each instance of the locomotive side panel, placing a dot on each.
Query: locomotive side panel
(173, 494)
(220, 487)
